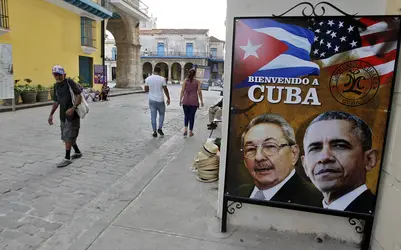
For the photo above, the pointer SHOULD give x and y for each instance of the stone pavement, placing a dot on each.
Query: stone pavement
(37, 199)
(160, 205)
(129, 191)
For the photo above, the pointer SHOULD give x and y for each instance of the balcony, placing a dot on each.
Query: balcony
(4, 21)
(155, 54)
(91, 8)
(134, 8)
(216, 58)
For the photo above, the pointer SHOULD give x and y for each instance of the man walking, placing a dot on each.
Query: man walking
(155, 85)
(69, 118)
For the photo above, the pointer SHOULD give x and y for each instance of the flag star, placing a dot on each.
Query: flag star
(317, 31)
(351, 28)
(323, 54)
(341, 24)
(316, 52)
(343, 39)
(316, 39)
(353, 44)
(328, 45)
(328, 32)
(321, 23)
(331, 23)
(250, 50)
(321, 42)
(334, 34)
(336, 49)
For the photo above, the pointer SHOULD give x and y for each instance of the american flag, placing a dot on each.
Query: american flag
(373, 40)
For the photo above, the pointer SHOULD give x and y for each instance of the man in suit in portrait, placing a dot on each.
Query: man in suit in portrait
(338, 155)
(270, 154)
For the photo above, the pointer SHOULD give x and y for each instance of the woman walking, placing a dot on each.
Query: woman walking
(189, 99)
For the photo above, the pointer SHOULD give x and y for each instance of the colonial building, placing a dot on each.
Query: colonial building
(175, 51)
(73, 32)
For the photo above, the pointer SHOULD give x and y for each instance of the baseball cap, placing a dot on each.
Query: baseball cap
(57, 69)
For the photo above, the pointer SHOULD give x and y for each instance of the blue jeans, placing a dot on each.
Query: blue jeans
(189, 112)
(154, 108)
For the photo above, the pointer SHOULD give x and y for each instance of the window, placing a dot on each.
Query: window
(213, 51)
(190, 49)
(114, 53)
(160, 49)
(4, 14)
(88, 32)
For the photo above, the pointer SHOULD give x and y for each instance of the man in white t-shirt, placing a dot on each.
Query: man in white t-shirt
(155, 85)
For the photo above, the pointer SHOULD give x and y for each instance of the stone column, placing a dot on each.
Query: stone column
(129, 70)
(182, 72)
(171, 73)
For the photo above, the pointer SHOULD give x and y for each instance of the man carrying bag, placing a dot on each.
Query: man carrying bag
(68, 96)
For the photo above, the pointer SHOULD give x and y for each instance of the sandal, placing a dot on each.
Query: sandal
(185, 133)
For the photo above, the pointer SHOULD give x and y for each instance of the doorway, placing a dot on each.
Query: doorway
(113, 73)
(86, 70)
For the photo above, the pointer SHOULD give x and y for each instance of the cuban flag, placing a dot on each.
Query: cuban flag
(264, 47)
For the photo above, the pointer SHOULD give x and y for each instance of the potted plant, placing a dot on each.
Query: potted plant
(43, 94)
(28, 92)
(8, 102)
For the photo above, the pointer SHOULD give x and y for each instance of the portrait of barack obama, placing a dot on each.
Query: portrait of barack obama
(338, 155)
(270, 154)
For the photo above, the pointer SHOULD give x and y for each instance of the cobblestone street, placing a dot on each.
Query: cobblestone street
(36, 198)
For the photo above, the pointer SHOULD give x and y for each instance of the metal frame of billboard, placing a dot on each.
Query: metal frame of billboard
(363, 223)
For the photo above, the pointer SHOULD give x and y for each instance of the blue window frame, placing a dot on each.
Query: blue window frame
(190, 49)
(88, 31)
(160, 49)
(213, 52)
(114, 53)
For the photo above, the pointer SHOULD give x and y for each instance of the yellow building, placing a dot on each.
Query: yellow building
(44, 33)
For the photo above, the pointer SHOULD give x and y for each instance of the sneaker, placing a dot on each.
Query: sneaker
(76, 156)
(64, 163)
(160, 131)
(155, 134)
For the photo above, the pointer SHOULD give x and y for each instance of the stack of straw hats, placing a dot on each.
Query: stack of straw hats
(206, 163)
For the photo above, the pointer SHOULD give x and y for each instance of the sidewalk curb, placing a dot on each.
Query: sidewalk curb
(4, 109)
(89, 222)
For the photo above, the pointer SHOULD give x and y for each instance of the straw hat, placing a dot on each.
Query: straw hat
(210, 148)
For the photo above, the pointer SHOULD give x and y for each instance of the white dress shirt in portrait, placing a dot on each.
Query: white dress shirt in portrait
(269, 193)
(343, 202)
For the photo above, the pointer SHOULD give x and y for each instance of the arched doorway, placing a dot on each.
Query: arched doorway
(176, 72)
(187, 67)
(147, 70)
(164, 67)
(128, 71)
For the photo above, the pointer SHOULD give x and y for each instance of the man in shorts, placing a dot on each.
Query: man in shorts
(69, 118)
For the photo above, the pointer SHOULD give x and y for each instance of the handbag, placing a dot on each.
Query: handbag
(83, 107)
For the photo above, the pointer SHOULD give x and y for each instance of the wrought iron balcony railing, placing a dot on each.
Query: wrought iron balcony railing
(138, 4)
(176, 54)
(4, 19)
(100, 2)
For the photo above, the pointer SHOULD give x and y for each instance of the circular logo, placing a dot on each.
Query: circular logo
(354, 83)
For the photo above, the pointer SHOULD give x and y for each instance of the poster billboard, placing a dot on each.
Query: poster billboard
(99, 72)
(309, 110)
(6, 72)
(203, 72)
